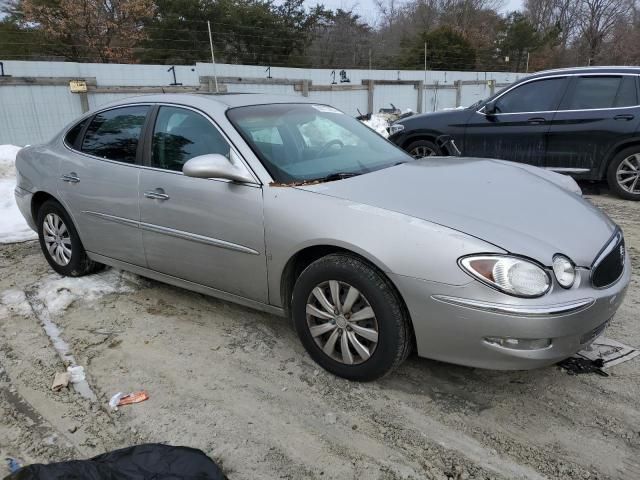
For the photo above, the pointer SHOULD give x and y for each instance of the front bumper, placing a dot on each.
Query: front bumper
(453, 323)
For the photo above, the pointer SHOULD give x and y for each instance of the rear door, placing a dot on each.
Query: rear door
(517, 131)
(99, 182)
(207, 231)
(597, 112)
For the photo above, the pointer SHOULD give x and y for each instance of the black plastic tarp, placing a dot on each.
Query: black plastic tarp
(142, 462)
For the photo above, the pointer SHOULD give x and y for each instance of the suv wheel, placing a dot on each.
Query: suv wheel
(423, 148)
(60, 242)
(623, 175)
(350, 318)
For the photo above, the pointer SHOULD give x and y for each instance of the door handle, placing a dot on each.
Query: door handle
(155, 195)
(537, 121)
(626, 116)
(70, 178)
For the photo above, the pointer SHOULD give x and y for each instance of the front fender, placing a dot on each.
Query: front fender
(396, 243)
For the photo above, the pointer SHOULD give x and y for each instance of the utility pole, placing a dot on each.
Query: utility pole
(213, 58)
(424, 108)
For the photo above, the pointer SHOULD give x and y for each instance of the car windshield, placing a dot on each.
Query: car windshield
(306, 142)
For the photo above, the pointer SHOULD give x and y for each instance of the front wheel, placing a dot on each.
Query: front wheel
(623, 174)
(423, 148)
(350, 318)
(61, 243)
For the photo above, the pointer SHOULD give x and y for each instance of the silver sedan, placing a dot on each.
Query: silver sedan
(297, 209)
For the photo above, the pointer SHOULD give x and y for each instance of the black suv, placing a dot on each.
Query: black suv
(580, 121)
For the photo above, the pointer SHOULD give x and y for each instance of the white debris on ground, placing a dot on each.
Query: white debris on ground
(13, 227)
(379, 123)
(51, 296)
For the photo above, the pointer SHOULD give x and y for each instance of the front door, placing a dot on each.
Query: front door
(99, 183)
(597, 113)
(207, 231)
(517, 131)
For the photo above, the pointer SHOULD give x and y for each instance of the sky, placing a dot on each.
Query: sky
(367, 8)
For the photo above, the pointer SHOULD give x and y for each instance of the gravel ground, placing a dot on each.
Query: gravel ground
(238, 385)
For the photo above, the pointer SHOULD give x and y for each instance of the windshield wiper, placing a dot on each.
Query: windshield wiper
(329, 178)
(335, 176)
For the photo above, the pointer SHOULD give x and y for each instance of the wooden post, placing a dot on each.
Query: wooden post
(305, 88)
(420, 87)
(84, 101)
(458, 92)
(370, 86)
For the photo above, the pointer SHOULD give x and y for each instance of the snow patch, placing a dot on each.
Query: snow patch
(54, 294)
(15, 302)
(58, 293)
(7, 160)
(13, 227)
(379, 123)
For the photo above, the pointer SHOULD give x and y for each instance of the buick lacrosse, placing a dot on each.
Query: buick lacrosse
(297, 209)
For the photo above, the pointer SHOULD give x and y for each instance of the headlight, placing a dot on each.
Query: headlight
(395, 128)
(511, 275)
(564, 271)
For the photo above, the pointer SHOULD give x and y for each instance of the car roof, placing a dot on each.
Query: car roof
(600, 70)
(217, 101)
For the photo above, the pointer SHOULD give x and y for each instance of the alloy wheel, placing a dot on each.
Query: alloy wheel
(57, 239)
(421, 152)
(628, 174)
(342, 322)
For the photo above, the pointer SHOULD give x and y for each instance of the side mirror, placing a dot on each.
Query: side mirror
(214, 165)
(490, 108)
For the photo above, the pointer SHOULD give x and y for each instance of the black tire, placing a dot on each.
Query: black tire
(79, 263)
(414, 147)
(394, 341)
(612, 177)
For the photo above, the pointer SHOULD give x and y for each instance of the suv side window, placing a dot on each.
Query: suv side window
(114, 134)
(535, 96)
(180, 134)
(592, 92)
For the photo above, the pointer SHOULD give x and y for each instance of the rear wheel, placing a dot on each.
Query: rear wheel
(623, 175)
(60, 242)
(423, 148)
(350, 318)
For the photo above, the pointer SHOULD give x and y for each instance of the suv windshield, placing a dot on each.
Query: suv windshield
(305, 142)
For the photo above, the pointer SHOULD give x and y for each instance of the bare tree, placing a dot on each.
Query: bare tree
(554, 15)
(596, 21)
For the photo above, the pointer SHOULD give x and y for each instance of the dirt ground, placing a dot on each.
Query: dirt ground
(238, 385)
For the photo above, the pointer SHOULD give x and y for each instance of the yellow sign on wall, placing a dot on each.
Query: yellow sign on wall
(78, 86)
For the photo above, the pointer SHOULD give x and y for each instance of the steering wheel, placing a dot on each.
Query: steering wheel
(329, 144)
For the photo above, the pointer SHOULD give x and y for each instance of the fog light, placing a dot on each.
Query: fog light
(519, 343)
(564, 271)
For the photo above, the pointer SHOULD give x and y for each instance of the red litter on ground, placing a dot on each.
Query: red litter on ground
(119, 399)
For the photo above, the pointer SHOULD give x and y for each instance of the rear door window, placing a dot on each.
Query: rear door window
(536, 96)
(115, 134)
(597, 92)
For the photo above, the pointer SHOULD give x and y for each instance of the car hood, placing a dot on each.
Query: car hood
(513, 208)
(447, 115)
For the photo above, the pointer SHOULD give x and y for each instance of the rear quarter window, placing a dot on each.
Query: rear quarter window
(73, 136)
